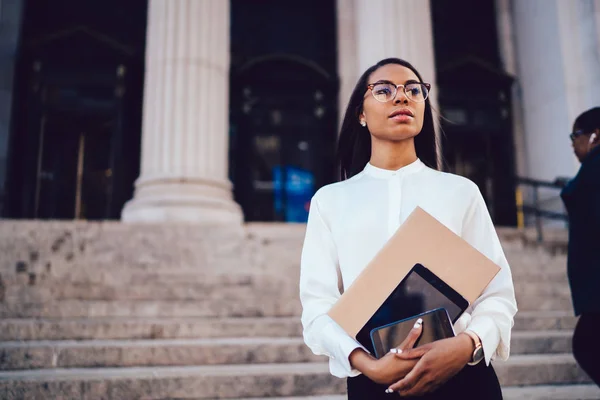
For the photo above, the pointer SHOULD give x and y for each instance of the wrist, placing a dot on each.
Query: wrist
(477, 354)
(362, 361)
(468, 346)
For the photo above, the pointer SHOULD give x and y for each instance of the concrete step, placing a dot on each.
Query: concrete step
(545, 320)
(200, 291)
(214, 308)
(130, 353)
(541, 342)
(241, 381)
(126, 283)
(544, 296)
(540, 369)
(564, 392)
(205, 382)
(529, 303)
(194, 327)
(218, 307)
(147, 328)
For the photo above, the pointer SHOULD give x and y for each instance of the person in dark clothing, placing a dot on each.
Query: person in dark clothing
(581, 197)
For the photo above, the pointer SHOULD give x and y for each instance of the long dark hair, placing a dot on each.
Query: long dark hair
(354, 144)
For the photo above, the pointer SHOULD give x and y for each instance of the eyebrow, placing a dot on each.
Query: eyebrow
(392, 83)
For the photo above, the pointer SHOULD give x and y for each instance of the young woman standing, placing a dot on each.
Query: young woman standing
(387, 156)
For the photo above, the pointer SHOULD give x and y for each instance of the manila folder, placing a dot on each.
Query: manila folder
(420, 239)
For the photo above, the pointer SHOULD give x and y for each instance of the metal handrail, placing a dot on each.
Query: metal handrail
(535, 208)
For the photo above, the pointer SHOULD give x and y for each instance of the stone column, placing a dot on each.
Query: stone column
(395, 28)
(369, 31)
(557, 44)
(185, 127)
(508, 54)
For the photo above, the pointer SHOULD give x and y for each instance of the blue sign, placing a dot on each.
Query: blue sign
(299, 189)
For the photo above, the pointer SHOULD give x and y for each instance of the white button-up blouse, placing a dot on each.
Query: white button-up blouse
(350, 221)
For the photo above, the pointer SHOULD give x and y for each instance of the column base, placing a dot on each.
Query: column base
(193, 200)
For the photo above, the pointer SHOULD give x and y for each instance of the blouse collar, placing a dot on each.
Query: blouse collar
(376, 172)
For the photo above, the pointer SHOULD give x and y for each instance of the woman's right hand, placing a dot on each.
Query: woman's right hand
(388, 369)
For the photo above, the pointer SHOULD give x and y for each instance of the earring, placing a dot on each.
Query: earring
(363, 123)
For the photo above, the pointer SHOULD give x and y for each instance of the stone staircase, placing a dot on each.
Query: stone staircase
(94, 328)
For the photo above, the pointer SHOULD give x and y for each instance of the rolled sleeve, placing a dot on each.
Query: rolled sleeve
(319, 291)
(492, 314)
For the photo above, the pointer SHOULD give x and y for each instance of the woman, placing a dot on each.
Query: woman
(387, 152)
(582, 200)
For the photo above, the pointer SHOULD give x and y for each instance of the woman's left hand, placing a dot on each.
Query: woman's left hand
(439, 361)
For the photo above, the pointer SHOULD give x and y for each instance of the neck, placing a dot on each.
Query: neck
(392, 155)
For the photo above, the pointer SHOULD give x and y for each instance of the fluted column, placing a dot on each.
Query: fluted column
(369, 31)
(557, 45)
(395, 28)
(185, 125)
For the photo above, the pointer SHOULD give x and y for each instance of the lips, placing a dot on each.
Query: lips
(402, 111)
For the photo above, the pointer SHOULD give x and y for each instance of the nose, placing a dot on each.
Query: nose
(400, 97)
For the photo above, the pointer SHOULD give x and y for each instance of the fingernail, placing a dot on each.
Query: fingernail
(395, 350)
(388, 391)
(418, 323)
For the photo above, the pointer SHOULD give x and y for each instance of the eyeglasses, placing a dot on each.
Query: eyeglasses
(576, 134)
(386, 91)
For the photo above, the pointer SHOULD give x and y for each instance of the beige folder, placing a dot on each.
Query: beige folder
(420, 239)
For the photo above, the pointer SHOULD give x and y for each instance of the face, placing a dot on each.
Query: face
(398, 119)
(582, 144)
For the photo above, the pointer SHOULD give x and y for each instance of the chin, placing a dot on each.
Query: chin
(403, 134)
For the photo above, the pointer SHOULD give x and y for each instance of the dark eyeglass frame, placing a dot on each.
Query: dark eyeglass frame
(427, 86)
(577, 133)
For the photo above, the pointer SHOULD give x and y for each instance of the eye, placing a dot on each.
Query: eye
(383, 90)
(414, 90)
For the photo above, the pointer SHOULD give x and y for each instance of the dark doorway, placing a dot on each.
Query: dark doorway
(75, 141)
(283, 138)
(283, 105)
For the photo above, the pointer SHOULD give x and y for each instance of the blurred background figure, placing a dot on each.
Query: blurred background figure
(582, 200)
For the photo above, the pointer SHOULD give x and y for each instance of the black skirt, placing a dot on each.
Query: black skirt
(477, 382)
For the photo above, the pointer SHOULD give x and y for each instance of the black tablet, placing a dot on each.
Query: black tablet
(420, 291)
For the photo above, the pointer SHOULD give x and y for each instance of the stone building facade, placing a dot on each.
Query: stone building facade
(509, 77)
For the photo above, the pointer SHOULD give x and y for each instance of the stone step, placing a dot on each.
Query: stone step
(204, 382)
(130, 283)
(532, 296)
(534, 303)
(244, 287)
(541, 342)
(73, 301)
(198, 291)
(214, 308)
(540, 369)
(147, 328)
(134, 353)
(551, 392)
(191, 327)
(241, 381)
(162, 352)
(564, 392)
(218, 307)
(545, 320)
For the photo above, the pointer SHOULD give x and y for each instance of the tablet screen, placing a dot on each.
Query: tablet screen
(420, 295)
(420, 291)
